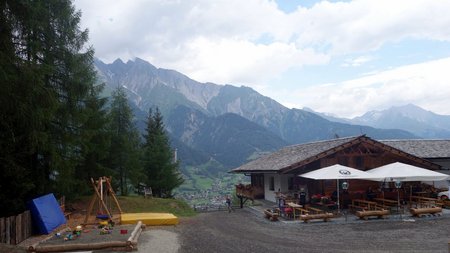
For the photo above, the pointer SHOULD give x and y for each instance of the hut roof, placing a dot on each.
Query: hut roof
(422, 148)
(288, 157)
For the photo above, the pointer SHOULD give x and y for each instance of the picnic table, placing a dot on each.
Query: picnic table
(314, 210)
(297, 207)
(425, 202)
(386, 202)
(363, 204)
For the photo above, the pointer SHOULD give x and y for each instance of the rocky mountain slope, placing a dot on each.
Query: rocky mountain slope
(223, 123)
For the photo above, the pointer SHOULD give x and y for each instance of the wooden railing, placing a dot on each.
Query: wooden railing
(15, 229)
(249, 191)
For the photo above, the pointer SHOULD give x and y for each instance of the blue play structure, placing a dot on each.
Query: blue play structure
(46, 213)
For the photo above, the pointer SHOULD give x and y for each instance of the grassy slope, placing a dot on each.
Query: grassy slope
(139, 204)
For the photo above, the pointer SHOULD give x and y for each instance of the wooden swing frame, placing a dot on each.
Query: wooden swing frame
(97, 196)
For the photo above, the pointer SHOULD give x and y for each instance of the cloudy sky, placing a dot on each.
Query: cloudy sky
(339, 57)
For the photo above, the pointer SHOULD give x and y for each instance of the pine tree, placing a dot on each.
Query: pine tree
(161, 169)
(46, 78)
(95, 147)
(124, 150)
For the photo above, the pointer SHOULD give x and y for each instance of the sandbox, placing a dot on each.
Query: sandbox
(122, 237)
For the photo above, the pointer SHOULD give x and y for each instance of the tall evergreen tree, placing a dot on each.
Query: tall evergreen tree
(46, 75)
(124, 150)
(161, 169)
(95, 147)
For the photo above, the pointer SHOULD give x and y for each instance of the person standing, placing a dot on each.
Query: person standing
(228, 202)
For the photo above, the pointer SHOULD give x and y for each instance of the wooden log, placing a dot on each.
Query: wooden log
(321, 216)
(135, 231)
(426, 210)
(271, 215)
(78, 246)
(108, 181)
(365, 214)
(134, 242)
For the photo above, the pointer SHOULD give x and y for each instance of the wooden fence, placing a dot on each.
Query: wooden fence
(15, 229)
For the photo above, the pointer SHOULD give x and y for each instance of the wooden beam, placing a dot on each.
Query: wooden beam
(108, 182)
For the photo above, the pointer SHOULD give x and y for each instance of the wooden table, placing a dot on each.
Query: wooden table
(386, 202)
(369, 205)
(425, 202)
(422, 194)
(315, 210)
(296, 207)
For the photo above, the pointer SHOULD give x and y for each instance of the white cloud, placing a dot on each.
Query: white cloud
(242, 62)
(166, 32)
(356, 62)
(252, 42)
(424, 84)
(359, 26)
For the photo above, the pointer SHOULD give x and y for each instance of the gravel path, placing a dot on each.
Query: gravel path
(247, 231)
(243, 231)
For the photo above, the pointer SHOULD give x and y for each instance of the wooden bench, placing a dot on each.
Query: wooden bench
(355, 208)
(269, 214)
(314, 210)
(321, 216)
(419, 212)
(365, 214)
(444, 203)
(148, 192)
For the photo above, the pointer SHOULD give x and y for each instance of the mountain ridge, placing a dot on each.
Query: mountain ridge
(410, 117)
(148, 86)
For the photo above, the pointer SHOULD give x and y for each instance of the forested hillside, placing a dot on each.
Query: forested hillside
(56, 132)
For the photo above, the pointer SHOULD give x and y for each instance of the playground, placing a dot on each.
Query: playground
(99, 223)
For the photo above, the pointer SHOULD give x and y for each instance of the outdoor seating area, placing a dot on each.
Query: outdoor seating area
(359, 209)
(382, 203)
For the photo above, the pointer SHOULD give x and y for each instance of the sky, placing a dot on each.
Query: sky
(343, 58)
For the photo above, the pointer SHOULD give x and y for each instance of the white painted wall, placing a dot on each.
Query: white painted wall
(280, 183)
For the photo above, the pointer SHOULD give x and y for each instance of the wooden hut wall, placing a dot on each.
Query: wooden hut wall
(257, 180)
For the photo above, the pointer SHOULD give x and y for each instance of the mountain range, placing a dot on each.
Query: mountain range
(412, 118)
(226, 126)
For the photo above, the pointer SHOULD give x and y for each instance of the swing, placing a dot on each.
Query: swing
(102, 193)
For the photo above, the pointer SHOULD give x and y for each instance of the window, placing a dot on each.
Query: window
(290, 183)
(272, 184)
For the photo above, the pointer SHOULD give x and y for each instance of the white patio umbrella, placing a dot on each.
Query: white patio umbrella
(337, 172)
(405, 173)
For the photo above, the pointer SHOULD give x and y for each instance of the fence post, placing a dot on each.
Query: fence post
(28, 224)
(2, 230)
(7, 230)
(13, 231)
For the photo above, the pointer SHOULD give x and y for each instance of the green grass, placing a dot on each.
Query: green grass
(139, 204)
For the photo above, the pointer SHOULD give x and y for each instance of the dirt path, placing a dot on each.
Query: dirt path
(242, 231)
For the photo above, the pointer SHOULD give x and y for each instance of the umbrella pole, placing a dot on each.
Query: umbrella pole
(410, 195)
(338, 199)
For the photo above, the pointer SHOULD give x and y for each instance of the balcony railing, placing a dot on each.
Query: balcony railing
(249, 191)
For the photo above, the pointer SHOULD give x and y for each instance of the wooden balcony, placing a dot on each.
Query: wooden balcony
(250, 192)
